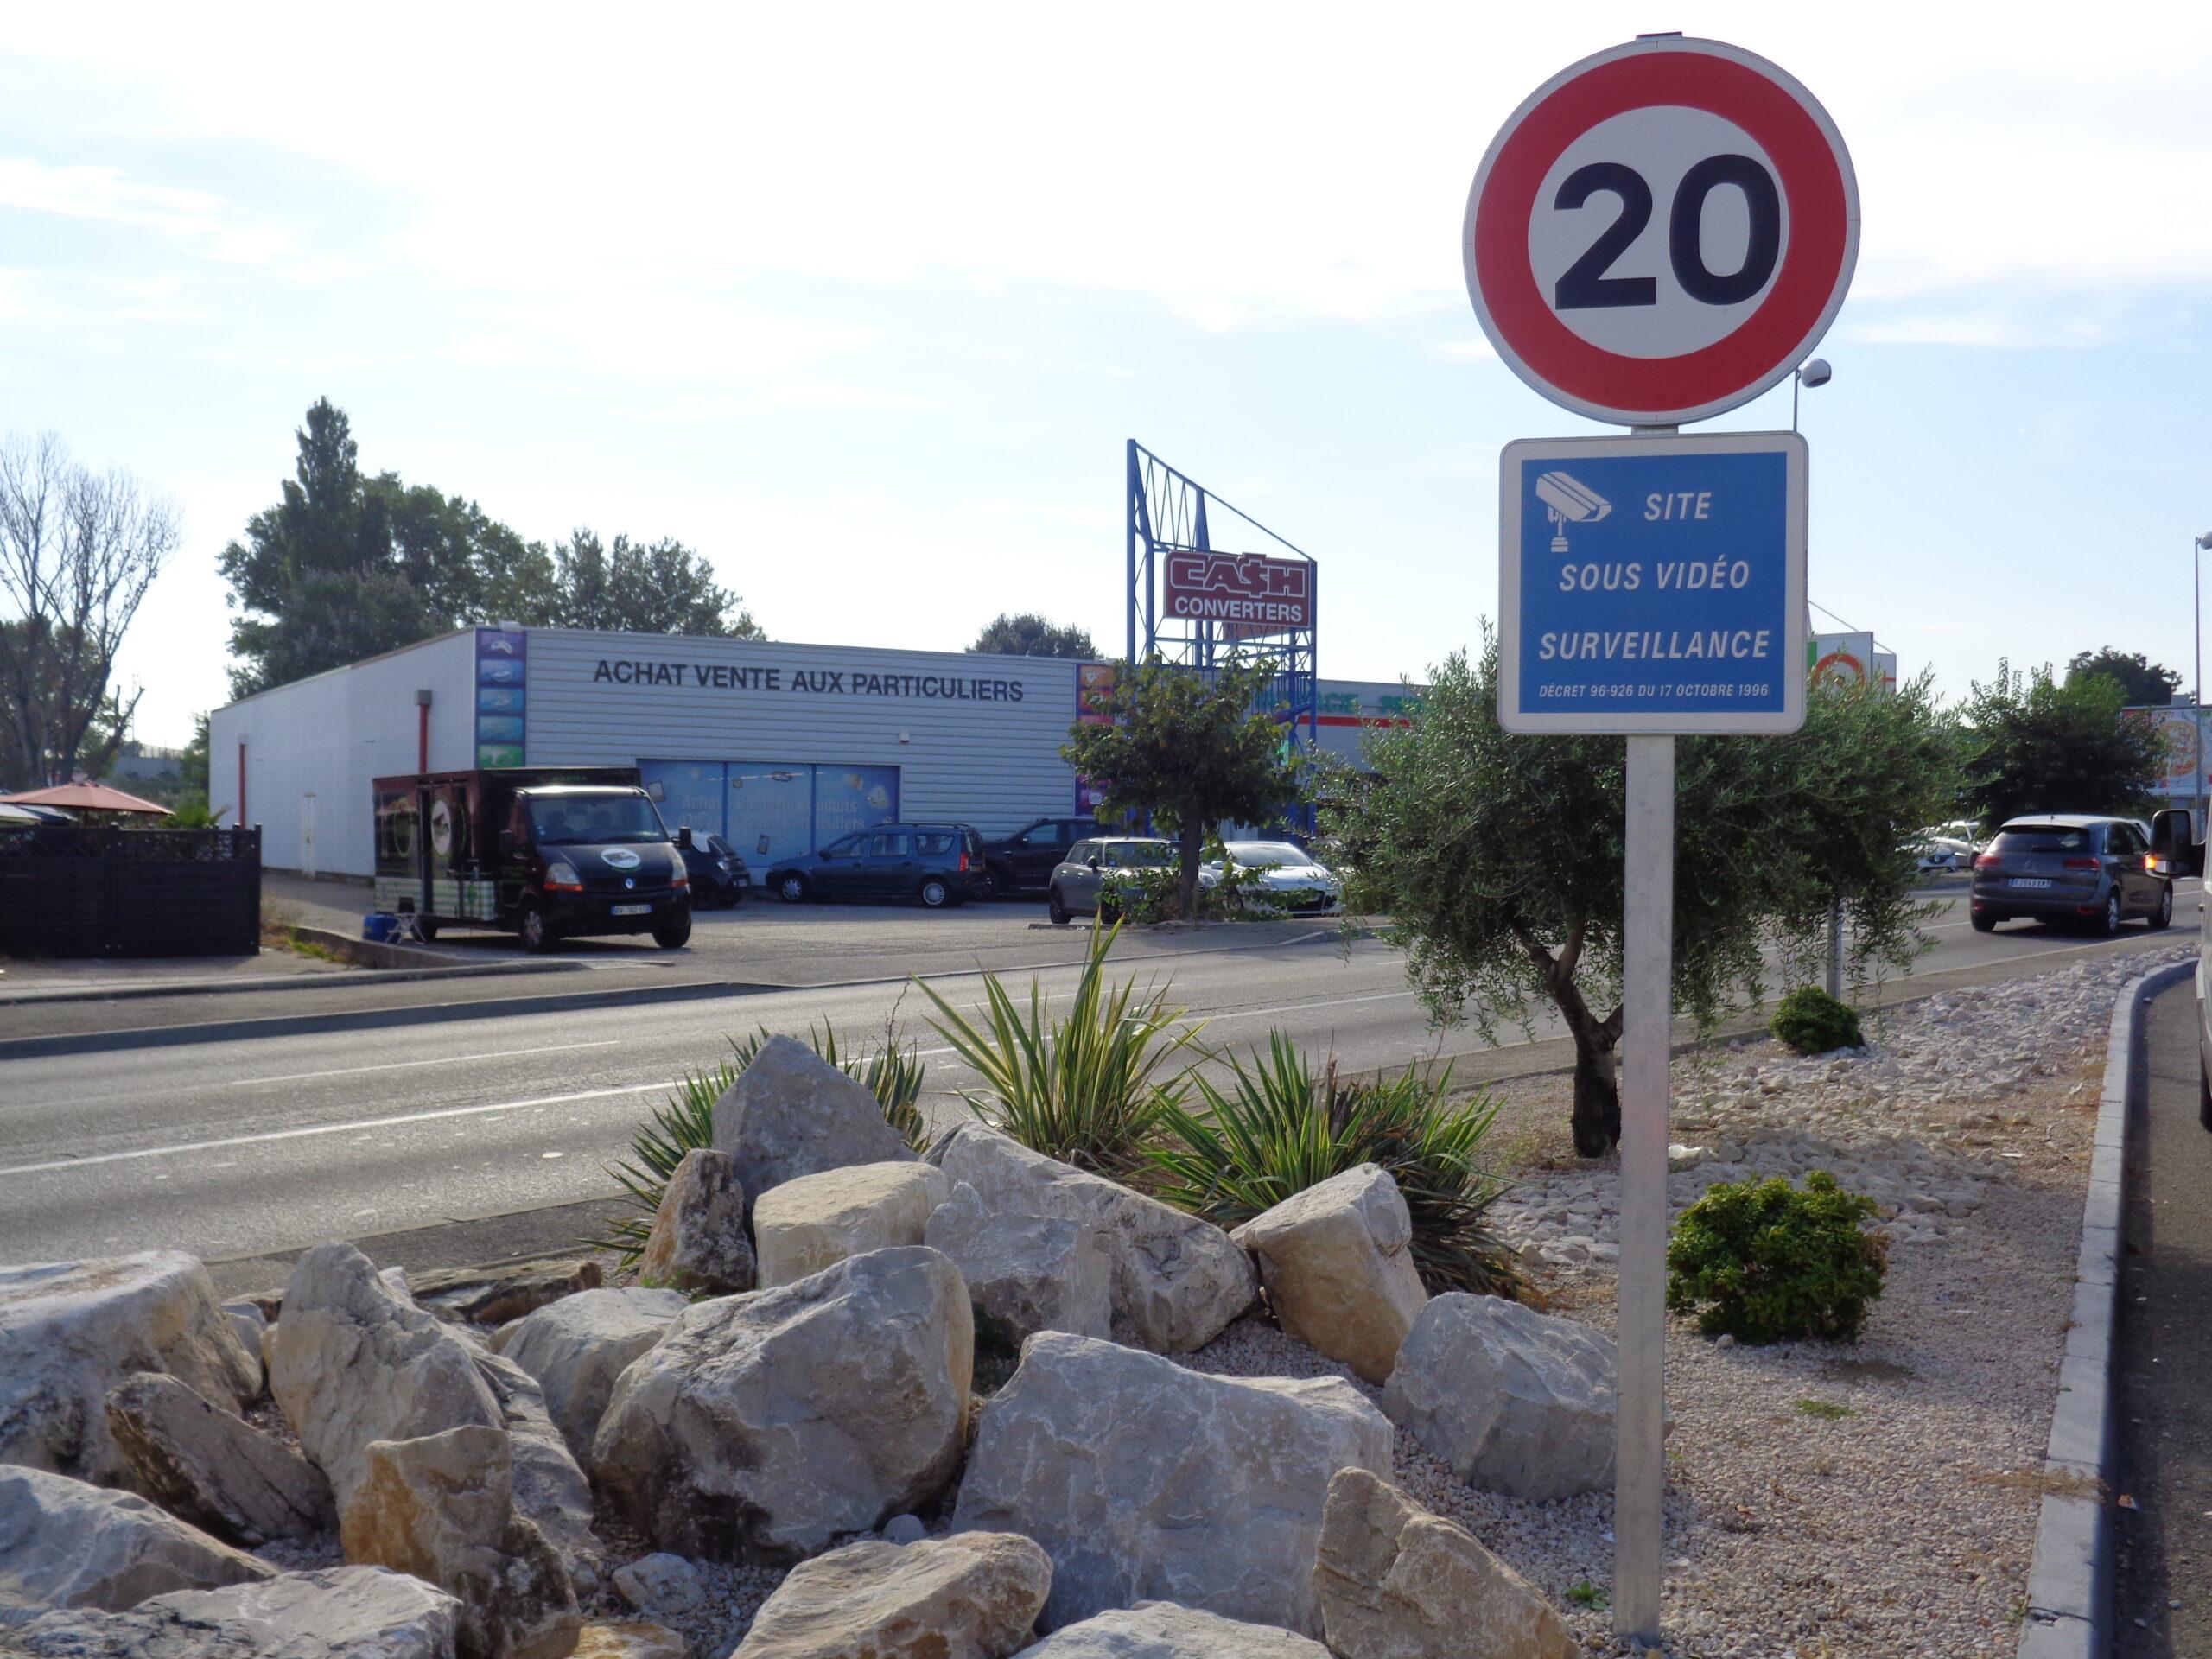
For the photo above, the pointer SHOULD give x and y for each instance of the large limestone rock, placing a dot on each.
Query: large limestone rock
(1159, 1630)
(340, 1613)
(1514, 1401)
(1396, 1582)
(65, 1544)
(1143, 1480)
(352, 1363)
(577, 1346)
(70, 1330)
(495, 1295)
(210, 1467)
(817, 1221)
(1026, 1273)
(972, 1596)
(550, 1487)
(442, 1508)
(1177, 1281)
(766, 1428)
(1337, 1261)
(629, 1638)
(698, 1241)
(792, 1114)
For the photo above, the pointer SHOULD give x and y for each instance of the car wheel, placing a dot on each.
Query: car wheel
(2165, 913)
(736, 897)
(674, 936)
(537, 934)
(2108, 923)
(1983, 921)
(1055, 908)
(936, 893)
(792, 890)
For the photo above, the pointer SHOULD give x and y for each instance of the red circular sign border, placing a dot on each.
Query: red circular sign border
(1725, 81)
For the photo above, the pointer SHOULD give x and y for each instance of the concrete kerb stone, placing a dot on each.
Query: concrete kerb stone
(2069, 1582)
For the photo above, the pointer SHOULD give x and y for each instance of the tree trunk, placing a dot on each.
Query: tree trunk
(1597, 1090)
(1191, 840)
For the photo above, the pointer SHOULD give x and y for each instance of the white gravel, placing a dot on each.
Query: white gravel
(1894, 1520)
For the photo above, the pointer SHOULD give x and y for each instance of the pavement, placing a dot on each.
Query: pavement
(2163, 1580)
(235, 1131)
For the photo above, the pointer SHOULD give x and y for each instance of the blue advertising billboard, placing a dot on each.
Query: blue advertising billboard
(1653, 584)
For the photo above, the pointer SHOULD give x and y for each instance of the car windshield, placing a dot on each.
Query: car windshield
(1267, 854)
(1140, 855)
(2044, 838)
(589, 820)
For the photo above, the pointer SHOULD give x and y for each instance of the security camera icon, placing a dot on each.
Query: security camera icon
(1569, 501)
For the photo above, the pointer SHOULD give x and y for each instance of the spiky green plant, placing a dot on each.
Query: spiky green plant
(1086, 1087)
(686, 1121)
(1278, 1128)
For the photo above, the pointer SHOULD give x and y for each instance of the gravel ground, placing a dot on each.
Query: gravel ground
(1876, 1499)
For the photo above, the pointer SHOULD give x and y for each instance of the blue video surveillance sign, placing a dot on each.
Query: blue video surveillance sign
(1653, 584)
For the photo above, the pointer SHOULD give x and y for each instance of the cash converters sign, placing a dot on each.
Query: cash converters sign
(1248, 590)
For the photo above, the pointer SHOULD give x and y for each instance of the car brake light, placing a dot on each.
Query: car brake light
(2080, 863)
(680, 879)
(964, 863)
(1985, 861)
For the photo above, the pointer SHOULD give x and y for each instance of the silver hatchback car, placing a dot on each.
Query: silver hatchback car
(1082, 883)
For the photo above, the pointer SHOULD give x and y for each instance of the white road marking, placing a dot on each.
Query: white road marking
(333, 1129)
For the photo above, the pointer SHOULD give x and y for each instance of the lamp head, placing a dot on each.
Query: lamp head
(1816, 372)
(2204, 541)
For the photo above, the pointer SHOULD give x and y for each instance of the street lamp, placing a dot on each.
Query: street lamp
(2196, 592)
(1813, 372)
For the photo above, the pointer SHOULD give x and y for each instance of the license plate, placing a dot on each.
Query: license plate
(647, 910)
(2030, 881)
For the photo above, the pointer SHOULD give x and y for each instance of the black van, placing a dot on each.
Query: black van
(545, 852)
(940, 864)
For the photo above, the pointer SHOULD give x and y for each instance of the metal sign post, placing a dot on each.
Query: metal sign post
(1658, 233)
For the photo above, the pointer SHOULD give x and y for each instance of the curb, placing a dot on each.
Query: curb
(400, 966)
(2069, 1580)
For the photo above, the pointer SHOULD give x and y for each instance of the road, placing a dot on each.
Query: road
(2163, 1584)
(228, 1149)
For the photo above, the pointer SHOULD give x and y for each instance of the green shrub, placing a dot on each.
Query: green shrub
(1086, 1088)
(1765, 1262)
(686, 1121)
(1812, 1022)
(1278, 1128)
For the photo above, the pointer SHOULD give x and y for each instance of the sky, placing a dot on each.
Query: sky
(863, 301)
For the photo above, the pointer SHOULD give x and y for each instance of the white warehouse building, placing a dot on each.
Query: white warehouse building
(779, 748)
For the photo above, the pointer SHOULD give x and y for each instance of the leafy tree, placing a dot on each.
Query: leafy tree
(194, 768)
(1192, 747)
(79, 549)
(2143, 683)
(663, 588)
(1031, 635)
(2035, 745)
(1499, 858)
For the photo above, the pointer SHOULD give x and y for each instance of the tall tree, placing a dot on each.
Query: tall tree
(1032, 635)
(1190, 747)
(665, 588)
(78, 551)
(2143, 682)
(1499, 858)
(2034, 745)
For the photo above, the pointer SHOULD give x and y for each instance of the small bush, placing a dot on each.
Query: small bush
(686, 1121)
(1812, 1022)
(1279, 1129)
(1087, 1088)
(1764, 1262)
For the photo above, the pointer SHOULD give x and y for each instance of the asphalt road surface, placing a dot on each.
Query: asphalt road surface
(248, 1145)
(2164, 1532)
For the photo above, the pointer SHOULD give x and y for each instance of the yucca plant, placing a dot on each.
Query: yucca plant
(1277, 1127)
(686, 1119)
(1087, 1087)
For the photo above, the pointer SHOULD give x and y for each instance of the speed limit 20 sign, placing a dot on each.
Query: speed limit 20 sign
(1662, 231)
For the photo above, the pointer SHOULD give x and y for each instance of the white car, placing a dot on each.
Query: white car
(1934, 853)
(1288, 876)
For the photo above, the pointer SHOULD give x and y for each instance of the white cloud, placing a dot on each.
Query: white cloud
(1475, 349)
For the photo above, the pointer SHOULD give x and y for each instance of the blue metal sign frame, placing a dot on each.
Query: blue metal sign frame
(1653, 584)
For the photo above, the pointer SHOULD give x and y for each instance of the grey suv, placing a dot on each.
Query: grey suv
(1084, 883)
(2094, 872)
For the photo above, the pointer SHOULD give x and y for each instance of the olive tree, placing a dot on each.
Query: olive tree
(1498, 859)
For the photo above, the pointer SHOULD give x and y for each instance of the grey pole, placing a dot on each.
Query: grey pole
(1647, 1007)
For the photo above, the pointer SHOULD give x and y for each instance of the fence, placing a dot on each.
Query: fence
(78, 890)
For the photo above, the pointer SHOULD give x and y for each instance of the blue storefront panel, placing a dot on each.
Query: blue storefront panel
(771, 809)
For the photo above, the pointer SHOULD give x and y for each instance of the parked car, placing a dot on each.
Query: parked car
(1288, 876)
(1935, 853)
(1024, 861)
(2072, 868)
(719, 878)
(1084, 883)
(940, 864)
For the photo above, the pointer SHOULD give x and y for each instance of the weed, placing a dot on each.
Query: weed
(1583, 1593)
(1827, 1410)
